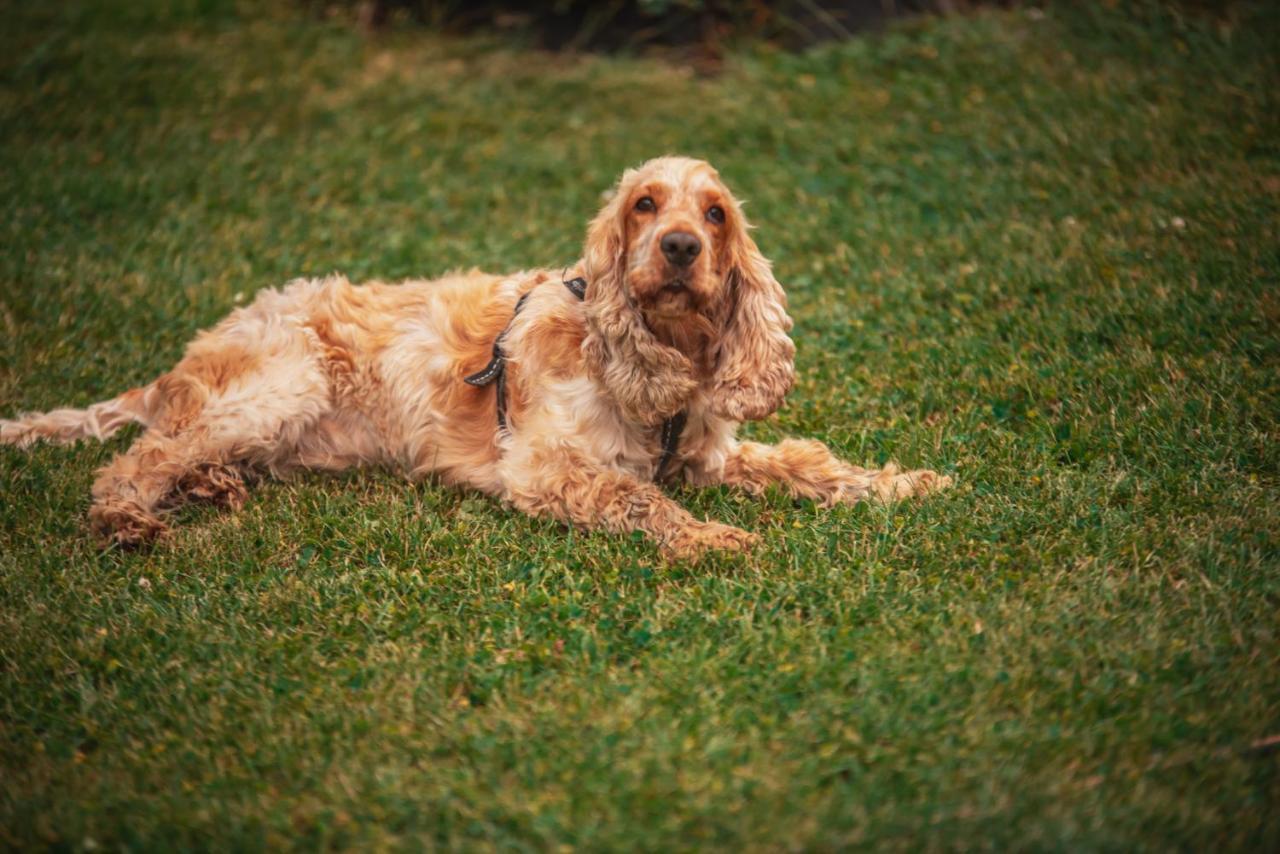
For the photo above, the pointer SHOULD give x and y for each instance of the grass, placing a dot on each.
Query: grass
(1038, 251)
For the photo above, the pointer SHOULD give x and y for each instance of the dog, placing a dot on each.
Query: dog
(570, 393)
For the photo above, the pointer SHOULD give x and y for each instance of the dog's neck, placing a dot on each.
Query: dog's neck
(692, 334)
(651, 374)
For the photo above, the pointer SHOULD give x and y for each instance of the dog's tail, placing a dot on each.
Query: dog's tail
(70, 425)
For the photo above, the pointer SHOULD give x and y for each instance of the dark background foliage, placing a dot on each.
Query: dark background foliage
(615, 24)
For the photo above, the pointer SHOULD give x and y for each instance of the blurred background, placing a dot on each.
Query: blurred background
(1033, 245)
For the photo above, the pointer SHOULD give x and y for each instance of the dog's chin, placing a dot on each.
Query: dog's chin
(677, 316)
(673, 300)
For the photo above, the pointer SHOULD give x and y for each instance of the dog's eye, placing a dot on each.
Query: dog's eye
(646, 204)
(715, 214)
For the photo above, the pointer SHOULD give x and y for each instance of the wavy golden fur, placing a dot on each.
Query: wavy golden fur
(682, 314)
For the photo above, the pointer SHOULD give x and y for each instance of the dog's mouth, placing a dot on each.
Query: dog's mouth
(675, 295)
(674, 298)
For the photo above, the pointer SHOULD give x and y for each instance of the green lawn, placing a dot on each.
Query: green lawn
(1038, 252)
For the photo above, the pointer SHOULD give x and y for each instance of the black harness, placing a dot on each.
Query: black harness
(496, 373)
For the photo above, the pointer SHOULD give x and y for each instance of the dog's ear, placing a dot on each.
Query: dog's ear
(756, 365)
(649, 381)
(604, 256)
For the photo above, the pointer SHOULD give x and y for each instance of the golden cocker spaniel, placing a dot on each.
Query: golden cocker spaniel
(571, 400)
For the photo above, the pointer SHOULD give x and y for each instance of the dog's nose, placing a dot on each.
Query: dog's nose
(681, 247)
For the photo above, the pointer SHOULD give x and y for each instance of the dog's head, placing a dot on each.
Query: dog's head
(671, 268)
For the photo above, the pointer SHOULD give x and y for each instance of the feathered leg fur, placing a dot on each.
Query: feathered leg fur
(808, 469)
(575, 491)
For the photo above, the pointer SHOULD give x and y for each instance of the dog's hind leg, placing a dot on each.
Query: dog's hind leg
(220, 484)
(205, 436)
(132, 490)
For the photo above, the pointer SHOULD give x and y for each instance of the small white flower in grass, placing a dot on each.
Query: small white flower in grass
(144, 583)
(1178, 223)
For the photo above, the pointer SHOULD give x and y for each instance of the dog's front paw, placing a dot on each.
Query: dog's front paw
(693, 541)
(890, 484)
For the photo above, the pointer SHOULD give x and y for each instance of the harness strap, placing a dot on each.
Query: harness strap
(496, 372)
(671, 430)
